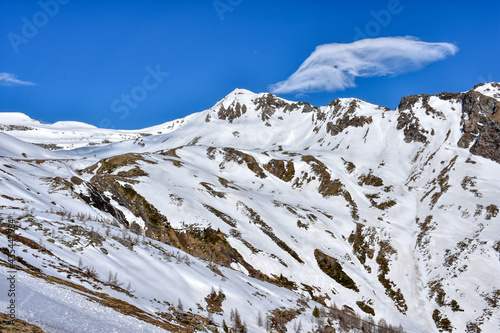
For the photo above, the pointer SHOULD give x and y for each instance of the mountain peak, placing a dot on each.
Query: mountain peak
(490, 89)
(240, 91)
(237, 95)
(16, 118)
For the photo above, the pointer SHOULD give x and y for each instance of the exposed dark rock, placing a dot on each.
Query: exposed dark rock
(207, 244)
(255, 218)
(307, 107)
(48, 146)
(429, 110)
(111, 164)
(446, 96)
(281, 170)
(320, 115)
(16, 128)
(327, 186)
(98, 200)
(348, 119)
(231, 113)
(268, 104)
(488, 143)
(408, 122)
(493, 84)
(331, 267)
(366, 308)
(362, 241)
(383, 259)
(442, 323)
(214, 301)
(370, 180)
(241, 157)
(126, 196)
(209, 188)
(480, 123)
(408, 102)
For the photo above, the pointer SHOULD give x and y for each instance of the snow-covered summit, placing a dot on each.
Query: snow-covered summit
(16, 118)
(491, 89)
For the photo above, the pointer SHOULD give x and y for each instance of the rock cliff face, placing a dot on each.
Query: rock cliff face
(481, 125)
(480, 121)
(409, 122)
(345, 119)
(232, 112)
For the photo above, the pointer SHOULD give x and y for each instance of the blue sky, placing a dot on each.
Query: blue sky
(132, 64)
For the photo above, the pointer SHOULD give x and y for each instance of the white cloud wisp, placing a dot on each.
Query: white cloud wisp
(335, 66)
(8, 79)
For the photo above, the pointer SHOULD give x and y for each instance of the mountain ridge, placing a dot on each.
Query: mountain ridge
(388, 212)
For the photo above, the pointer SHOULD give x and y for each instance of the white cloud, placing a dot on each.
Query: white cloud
(335, 66)
(8, 79)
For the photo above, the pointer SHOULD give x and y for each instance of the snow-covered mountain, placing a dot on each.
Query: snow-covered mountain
(263, 205)
(71, 134)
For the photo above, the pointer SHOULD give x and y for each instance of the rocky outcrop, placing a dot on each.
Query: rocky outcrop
(480, 125)
(232, 112)
(306, 107)
(348, 119)
(97, 199)
(268, 104)
(408, 121)
(283, 171)
(48, 146)
(16, 128)
(331, 267)
(234, 155)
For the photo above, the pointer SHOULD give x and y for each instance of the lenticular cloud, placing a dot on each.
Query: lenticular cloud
(335, 66)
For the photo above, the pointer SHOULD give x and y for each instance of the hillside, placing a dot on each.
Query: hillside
(263, 205)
